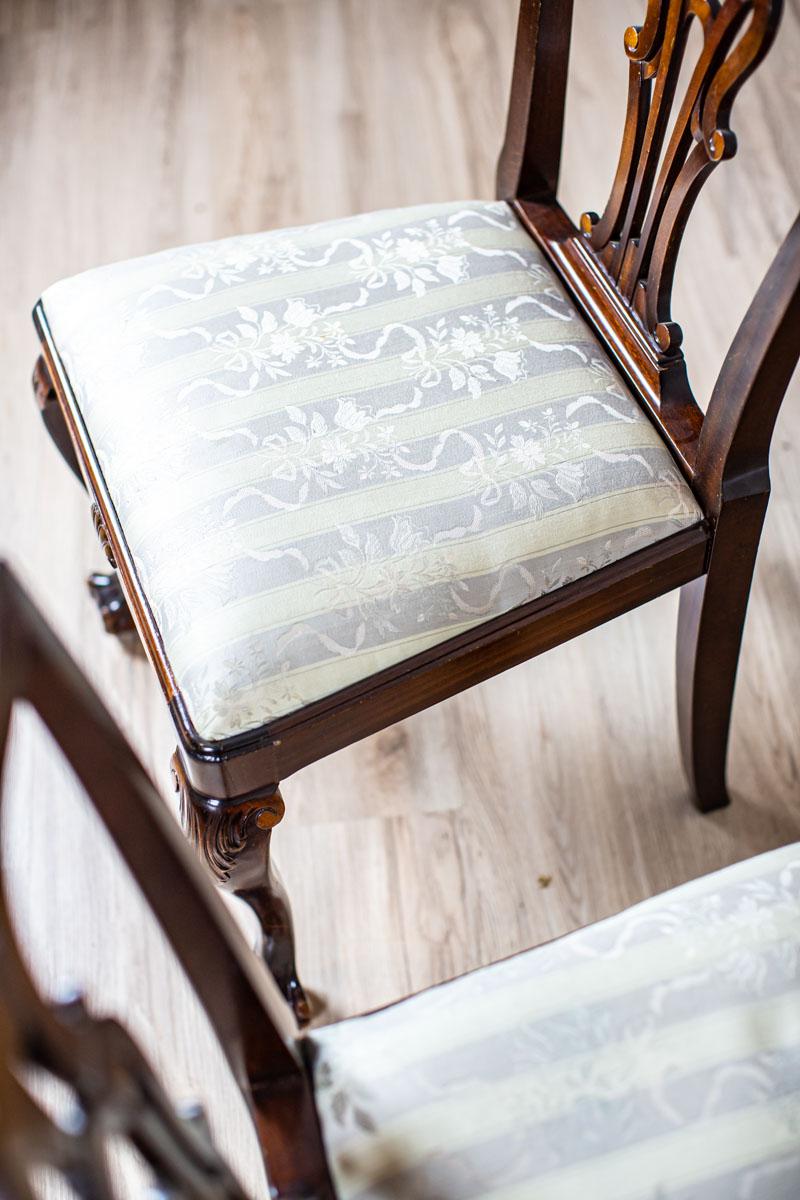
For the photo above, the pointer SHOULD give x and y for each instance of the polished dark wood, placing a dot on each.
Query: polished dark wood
(234, 839)
(733, 453)
(104, 587)
(710, 628)
(733, 473)
(658, 379)
(638, 236)
(618, 269)
(105, 590)
(298, 739)
(115, 1089)
(97, 1058)
(531, 155)
(620, 266)
(52, 417)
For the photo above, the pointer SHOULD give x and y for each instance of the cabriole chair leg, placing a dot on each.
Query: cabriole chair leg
(710, 626)
(233, 837)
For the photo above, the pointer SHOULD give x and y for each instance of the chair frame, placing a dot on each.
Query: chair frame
(96, 1057)
(618, 271)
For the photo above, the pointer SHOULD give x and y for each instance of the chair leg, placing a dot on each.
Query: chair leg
(234, 839)
(710, 625)
(52, 416)
(104, 588)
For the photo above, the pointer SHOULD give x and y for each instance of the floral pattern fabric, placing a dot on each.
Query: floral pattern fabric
(653, 1056)
(333, 447)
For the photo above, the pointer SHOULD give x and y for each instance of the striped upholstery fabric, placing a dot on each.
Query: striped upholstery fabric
(333, 447)
(653, 1056)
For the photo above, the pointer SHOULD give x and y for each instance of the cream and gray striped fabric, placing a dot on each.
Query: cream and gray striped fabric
(653, 1056)
(333, 447)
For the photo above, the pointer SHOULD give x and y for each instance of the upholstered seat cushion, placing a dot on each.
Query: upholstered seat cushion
(333, 447)
(653, 1056)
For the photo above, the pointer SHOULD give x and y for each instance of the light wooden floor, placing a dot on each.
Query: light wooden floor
(128, 127)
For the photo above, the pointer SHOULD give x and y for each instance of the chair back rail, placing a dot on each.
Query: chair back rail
(96, 1057)
(531, 155)
(620, 266)
(733, 454)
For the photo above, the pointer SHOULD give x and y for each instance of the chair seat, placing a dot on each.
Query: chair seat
(653, 1056)
(333, 447)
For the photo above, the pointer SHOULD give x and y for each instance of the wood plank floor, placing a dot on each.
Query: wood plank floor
(132, 125)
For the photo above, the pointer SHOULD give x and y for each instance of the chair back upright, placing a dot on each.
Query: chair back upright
(115, 1089)
(620, 266)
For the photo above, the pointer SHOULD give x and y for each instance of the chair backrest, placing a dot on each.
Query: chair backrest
(115, 1088)
(620, 266)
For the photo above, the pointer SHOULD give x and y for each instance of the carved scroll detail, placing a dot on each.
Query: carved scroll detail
(102, 534)
(639, 234)
(223, 831)
(234, 839)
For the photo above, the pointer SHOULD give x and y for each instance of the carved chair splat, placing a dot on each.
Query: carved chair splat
(617, 269)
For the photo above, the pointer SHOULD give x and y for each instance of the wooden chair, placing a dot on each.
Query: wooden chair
(114, 1085)
(344, 472)
(652, 1054)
